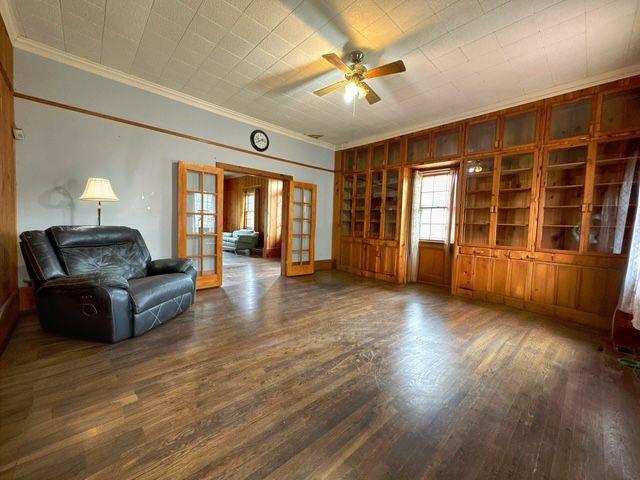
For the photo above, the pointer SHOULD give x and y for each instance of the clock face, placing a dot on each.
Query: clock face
(259, 140)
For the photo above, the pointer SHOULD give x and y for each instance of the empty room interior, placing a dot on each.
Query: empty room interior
(320, 239)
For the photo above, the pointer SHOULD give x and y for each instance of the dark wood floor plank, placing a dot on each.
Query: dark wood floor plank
(327, 376)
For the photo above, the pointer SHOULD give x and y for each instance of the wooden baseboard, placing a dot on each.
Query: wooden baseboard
(320, 265)
(27, 300)
(271, 252)
(8, 318)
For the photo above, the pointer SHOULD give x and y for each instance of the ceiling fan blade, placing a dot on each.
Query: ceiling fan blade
(371, 96)
(388, 69)
(330, 88)
(337, 62)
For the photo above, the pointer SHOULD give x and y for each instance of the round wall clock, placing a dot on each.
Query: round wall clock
(259, 140)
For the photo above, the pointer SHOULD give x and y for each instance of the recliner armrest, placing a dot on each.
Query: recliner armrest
(169, 265)
(87, 280)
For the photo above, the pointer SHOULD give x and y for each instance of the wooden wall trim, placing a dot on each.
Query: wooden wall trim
(320, 265)
(8, 318)
(228, 167)
(165, 131)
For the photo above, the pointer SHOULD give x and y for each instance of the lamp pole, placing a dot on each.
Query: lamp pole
(99, 211)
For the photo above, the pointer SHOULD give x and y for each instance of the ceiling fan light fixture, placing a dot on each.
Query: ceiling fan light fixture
(354, 90)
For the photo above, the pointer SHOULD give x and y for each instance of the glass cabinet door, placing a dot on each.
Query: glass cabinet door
(418, 149)
(447, 143)
(482, 136)
(393, 158)
(377, 160)
(360, 204)
(615, 192)
(200, 220)
(362, 159)
(570, 119)
(519, 129)
(347, 205)
(478, 201)
(349, 161)
(620, 111)
(375, 204)
(391, 195)
(514, 200)
(563, 197)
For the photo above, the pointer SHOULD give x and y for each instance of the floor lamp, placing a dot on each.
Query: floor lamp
(99, 190)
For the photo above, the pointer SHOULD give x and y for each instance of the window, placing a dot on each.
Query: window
(250, 209)
(435, 197)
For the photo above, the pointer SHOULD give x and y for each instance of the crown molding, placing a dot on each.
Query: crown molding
(56, 55)
(540, 95)
(10, 19)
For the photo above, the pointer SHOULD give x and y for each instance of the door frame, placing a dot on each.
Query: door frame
(286, 180)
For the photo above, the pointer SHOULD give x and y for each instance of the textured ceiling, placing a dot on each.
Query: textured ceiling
(262, 57)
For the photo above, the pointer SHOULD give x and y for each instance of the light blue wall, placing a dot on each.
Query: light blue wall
(61, 149)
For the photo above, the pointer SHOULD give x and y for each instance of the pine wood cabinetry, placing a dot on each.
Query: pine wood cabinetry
(546, 200)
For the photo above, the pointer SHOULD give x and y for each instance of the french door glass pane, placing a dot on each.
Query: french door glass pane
(361, 191)
(394, 153)
(375, 206)
(391, 204)
(210, 183)
(347, 190)
(482, 136)
(209, 244)
(447, 143)
(305, 256)
(615, 196)
(571, 119)
(477, 207)
(194, 223)
(193, 246)
(209, 203)
(194, 181)
(297, 195)
(514, 200)
(194, 202)
(297, 227)
(297, 210)
(306, 195)
(295, 256)
(621, 110)
(306, 211)
(209, 224)
(305, 243)
(209, 265)
(378, 156)
(418, 149)
(563, 198)
(519, 129)
(306, 227)
(197, 264)
(296, 244)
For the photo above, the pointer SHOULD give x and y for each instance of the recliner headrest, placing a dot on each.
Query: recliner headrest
(90, 236)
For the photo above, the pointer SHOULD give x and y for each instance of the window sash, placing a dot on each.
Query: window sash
(435, 198)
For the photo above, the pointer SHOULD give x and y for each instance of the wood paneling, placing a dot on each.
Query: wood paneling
(9, 302)
(432, 264)
(268, 209)
(513, 251)
(273, 231)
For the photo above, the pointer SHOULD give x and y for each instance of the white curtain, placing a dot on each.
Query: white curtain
(414, 239)
(630, 298)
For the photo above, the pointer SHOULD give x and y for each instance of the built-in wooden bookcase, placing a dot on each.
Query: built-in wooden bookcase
(546, 201)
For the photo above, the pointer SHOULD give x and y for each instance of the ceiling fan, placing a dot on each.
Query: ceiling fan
(355, 75)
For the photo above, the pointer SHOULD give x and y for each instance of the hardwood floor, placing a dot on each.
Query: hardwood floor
(328, 376)
(240, 268)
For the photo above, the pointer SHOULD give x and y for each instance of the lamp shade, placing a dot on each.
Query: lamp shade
(99, 190)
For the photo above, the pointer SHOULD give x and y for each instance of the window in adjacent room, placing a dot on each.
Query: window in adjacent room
(249, 214)
(435, 198)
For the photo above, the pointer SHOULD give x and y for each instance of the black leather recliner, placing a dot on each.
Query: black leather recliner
(99, 283)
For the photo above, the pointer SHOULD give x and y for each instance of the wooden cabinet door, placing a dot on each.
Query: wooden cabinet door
(301, 220)
(200, 220)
